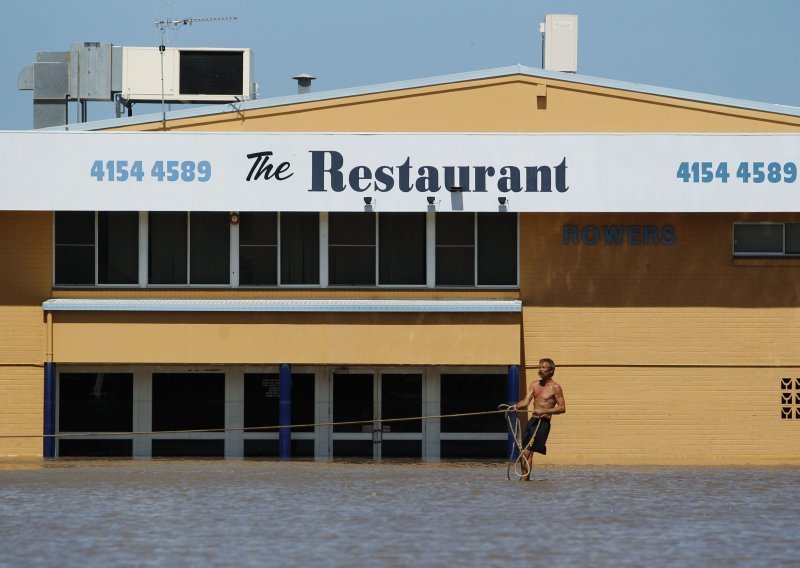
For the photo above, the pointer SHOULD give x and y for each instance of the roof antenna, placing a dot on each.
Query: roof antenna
(175, 24)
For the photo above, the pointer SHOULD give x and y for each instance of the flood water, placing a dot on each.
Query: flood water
(331, 513)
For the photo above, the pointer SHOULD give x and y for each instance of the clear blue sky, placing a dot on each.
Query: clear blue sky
(747, 49)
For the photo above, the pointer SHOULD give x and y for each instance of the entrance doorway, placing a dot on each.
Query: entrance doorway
(365, 405)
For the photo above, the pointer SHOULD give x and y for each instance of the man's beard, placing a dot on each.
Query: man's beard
(544, 376)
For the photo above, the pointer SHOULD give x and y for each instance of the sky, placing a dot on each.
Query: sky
(747, 49)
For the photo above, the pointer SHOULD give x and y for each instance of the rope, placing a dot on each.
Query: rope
(251, 428)
(516, 432)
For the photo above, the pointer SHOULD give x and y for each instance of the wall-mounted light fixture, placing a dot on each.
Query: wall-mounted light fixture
(431, 200)
(502, 200)
(455, 188)
(368, 201)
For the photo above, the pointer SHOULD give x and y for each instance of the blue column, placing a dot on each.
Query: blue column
(513, 396)
(49, 443)
(285, 413)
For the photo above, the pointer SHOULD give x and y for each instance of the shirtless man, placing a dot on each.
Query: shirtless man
(548, 399)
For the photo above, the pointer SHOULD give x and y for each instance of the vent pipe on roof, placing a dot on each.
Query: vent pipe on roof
(560, 42)
(303, 83)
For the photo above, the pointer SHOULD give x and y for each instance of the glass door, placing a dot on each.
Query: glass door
(370, 409)
(354, 401)
(400, 398)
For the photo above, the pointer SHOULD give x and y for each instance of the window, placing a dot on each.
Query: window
(210, 248)
(299, 248)
(118, 247)
(74, 248)
(258, 249)
(203, 238)
(351, 249)
(455, 249)
(401, 239)
(117, 238)
(497, 249)
(766, 239)
(283, 249)
(95, 402)
(188, 401)
(167, 242)
(459, 236)
(473, 436)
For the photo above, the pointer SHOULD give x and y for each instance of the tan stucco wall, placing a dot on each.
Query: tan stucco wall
(298, 338)
(25, 258)
(667, 354)
(504, 104)
(673, 415)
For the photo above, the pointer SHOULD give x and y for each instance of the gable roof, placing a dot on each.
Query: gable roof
(534, 72)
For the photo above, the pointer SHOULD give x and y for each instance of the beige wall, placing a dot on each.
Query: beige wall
(297, 338)
(504, 104)
(667, 354)
(673, 415)
(25, 258)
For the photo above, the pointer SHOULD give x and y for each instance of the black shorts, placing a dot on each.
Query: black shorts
(537, 444)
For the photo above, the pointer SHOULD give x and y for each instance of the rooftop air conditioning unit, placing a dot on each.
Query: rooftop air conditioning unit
(194, 75)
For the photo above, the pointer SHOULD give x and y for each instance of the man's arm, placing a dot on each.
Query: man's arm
(525, 401)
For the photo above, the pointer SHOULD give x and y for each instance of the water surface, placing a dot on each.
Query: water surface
(153, 512)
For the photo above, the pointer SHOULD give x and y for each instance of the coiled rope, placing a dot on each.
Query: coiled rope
(515, 430)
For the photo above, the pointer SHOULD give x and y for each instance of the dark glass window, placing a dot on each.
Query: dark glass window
(118, 247)
(401, 396)
(792, 238)
(188, 401)
(74, 248)
(210, 248)
(211, 72)
(188, 448)
(70, 447)
(299, 248)
(402, 248)
(262, 395)
(351, 250)
(464, 393)
(497, 249)
(454, 449)
(167, 248)
(455, 249)
(95, 402)
(269, 448)
(758, 238)
(258, 249)
(353, 402)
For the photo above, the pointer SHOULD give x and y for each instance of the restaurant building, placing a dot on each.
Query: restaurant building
(340, 260)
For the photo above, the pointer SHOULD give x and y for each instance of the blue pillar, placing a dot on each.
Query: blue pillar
(513, 397)
(48, 442)
(285, 413)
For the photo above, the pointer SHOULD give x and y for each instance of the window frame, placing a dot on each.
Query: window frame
(324, 245)
(763, 254)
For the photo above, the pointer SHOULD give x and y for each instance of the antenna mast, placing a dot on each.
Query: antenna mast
(175, 24)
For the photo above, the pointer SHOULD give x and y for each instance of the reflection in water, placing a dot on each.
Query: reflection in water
(253, 512)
